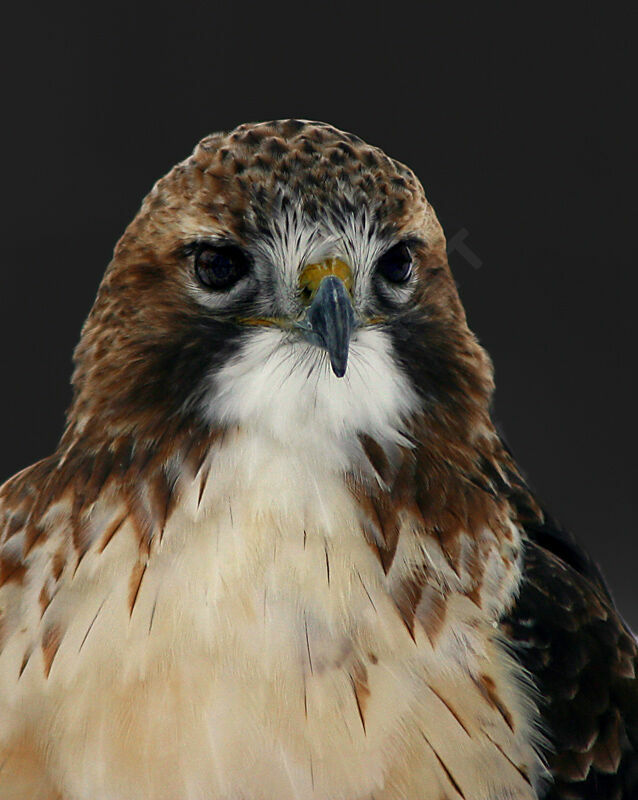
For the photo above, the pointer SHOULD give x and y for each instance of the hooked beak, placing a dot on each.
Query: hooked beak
(329, 319)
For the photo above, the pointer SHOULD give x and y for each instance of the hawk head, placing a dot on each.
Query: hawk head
(287, 275)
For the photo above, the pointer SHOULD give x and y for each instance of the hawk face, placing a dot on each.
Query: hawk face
(287, 276)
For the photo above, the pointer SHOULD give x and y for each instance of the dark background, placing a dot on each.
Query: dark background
(519, 125)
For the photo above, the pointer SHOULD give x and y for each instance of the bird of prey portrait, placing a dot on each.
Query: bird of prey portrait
(281, 551)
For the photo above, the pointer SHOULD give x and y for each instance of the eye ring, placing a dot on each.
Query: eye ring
(395, 265)
(219, 267)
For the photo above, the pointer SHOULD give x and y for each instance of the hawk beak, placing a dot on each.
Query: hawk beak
(329, 319)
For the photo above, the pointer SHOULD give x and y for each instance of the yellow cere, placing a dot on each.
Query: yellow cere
(313, 274)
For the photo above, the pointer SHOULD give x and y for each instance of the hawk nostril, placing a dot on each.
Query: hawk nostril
(306, 295)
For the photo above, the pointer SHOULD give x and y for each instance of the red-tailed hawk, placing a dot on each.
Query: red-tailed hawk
(281, 551)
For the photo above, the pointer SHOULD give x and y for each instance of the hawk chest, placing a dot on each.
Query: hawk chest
(264, 656)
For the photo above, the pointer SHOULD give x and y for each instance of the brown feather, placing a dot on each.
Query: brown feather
(51, 639)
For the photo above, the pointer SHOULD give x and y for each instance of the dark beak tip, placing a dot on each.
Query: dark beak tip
(338, 369)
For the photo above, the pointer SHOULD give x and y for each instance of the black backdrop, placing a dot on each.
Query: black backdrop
(518, 124)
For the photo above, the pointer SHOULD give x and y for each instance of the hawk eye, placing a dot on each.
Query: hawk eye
(396, 264)
(219, 267)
